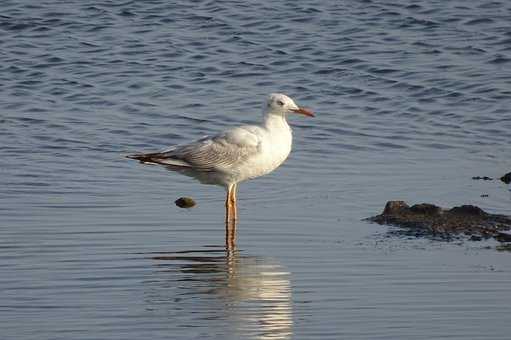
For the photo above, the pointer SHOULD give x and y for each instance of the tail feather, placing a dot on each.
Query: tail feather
(158, 158)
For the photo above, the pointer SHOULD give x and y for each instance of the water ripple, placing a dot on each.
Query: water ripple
(412, 100)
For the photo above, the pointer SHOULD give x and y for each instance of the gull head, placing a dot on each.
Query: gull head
(280, 104)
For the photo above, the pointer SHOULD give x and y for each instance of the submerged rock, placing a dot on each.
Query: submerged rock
(185, 202)
(504, 247)
(430, 220)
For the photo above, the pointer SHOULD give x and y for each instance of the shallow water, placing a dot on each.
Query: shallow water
(412, 101)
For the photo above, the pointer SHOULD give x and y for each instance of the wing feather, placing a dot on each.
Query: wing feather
(219, 153)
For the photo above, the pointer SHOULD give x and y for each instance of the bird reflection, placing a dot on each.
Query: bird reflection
(250, 296)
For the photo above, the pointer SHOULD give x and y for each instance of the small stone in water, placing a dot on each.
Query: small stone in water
(185, 202)
(484, 178)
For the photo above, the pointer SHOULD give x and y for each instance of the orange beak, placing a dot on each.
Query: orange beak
(304, 111)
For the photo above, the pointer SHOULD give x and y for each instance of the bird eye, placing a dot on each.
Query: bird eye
(280, 102)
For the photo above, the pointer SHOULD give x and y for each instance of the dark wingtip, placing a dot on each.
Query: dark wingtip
(144, 158)
(137, 157)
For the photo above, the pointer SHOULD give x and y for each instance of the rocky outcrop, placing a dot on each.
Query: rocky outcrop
(430, 220)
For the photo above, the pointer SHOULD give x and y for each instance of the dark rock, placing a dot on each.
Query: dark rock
(503, 237)
(426, 208)
(468, 210)
(484, 178)
(185, 202)
(506, 178)
(430, 220)
(394, 207)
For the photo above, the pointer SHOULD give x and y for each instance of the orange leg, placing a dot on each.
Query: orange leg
(233, 203)
(230, 217)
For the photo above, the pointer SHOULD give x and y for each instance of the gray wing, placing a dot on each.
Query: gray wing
(221, 152)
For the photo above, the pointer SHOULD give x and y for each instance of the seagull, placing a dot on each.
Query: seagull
(234, 155)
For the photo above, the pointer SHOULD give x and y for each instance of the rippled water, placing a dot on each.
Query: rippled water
(412, 98)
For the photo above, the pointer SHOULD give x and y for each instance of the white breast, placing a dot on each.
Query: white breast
(276, 141)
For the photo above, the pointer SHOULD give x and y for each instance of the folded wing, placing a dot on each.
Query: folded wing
(219, 153)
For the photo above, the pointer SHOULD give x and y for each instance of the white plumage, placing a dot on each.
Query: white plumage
(235, 155)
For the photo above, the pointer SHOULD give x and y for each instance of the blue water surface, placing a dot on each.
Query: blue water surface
(412, 99)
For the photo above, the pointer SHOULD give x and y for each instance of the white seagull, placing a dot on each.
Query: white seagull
(235, 155)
